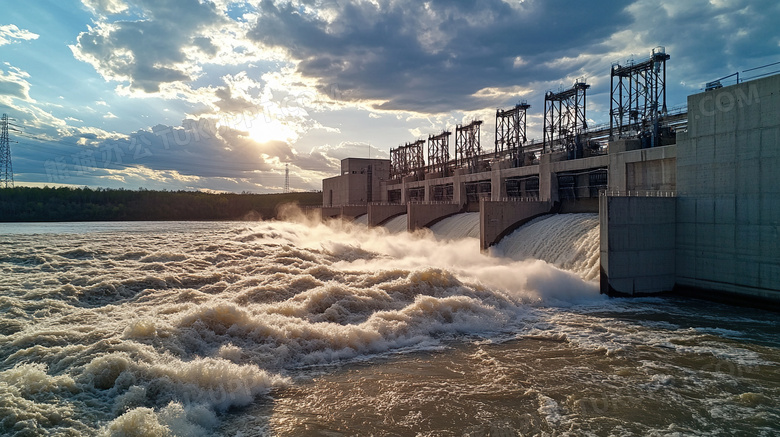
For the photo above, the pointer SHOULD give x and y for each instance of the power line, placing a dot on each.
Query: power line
(6, 168)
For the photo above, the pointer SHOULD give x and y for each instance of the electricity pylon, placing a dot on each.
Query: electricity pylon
(6, 169)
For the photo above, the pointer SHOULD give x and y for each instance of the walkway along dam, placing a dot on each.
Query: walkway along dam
(688, 200)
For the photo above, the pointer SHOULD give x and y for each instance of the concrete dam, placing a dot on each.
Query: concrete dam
(687, 199)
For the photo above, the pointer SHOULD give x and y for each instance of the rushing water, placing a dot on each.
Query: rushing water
(396, 224)
(295, 328)
(465, 225)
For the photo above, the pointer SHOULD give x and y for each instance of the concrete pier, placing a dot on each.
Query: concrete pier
(637, 244)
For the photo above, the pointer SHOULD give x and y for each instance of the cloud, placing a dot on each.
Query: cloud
(105, 6)
(199, 154)
(9, 33)
(13, 83)
(430, 56)
(711, 38)
(439, 56)
(153, 51)
(350, 149)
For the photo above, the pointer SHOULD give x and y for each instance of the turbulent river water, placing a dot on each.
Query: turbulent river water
(298, 328)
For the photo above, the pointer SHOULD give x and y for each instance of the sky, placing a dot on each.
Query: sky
(226, 95)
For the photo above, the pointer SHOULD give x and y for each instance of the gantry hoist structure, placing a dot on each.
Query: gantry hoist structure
(467, 145)
(637, 102)
(564, 119)
(407, 160)
(510, 132)
(439, 152)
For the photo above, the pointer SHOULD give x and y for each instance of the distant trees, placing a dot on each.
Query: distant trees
(24, 204)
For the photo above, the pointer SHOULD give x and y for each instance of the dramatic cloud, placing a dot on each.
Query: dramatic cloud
(193, 155)
(156, 50)
(431, 56)
(440, 56)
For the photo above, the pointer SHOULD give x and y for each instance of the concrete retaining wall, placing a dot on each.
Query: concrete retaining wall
(499, 218)
(728, 213)
(637, 244)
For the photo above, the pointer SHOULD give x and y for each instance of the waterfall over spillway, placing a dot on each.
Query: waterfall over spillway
(465, 225)
(396, 224)
(361, 220)
(569, 241)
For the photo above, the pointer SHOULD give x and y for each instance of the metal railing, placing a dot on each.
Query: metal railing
(515, 199)
(637, 193)
(432, 202)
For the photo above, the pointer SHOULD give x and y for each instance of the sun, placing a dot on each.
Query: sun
(263, 130)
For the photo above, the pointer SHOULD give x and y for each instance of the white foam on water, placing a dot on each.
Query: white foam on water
(119, 331)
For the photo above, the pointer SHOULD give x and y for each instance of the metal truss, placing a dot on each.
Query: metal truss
(439, 152)
(407, 160)
(564, 119)
(510, 132)
(638, 97)
(467, 146)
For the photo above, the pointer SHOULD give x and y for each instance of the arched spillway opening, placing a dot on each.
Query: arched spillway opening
(361, 220)
(568, 241)
(396, 224)
(455, 227)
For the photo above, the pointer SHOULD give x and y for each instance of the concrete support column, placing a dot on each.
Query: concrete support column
(548, 179)
(497, 186)
(427, 190)
(458, 190)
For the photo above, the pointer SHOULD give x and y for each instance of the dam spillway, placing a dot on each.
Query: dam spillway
(568, 241)
(695, 212)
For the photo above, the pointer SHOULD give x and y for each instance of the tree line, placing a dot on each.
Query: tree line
(28, 204)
